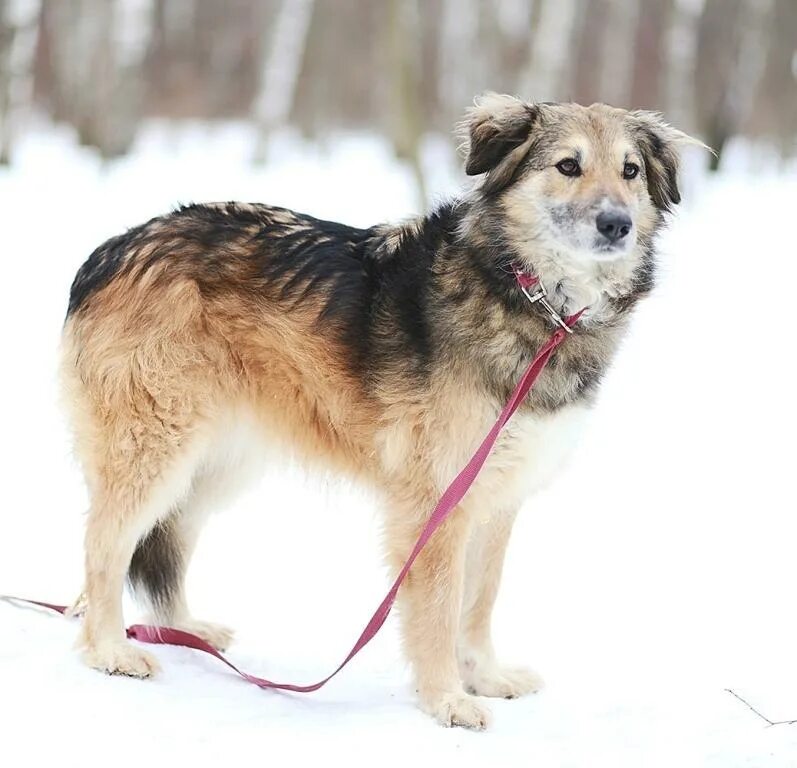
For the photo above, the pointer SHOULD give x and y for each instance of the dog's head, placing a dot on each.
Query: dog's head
(584, 183)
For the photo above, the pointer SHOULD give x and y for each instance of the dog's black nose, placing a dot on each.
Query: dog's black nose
(613, 226)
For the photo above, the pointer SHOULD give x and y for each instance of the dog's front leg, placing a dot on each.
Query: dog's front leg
(430, 605)
(480, 670)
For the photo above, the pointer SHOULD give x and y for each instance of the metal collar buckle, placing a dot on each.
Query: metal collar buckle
(539, 297)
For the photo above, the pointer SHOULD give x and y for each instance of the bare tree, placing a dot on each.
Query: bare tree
(650, 53)
(19, 25)
(617, 55)
(282, 62)
(6, 41)
(717, 49)
(750, 63)
(774, 111)
(547, 73)
(681, 63)
(406, 119)
(590, 30)
(459, 27)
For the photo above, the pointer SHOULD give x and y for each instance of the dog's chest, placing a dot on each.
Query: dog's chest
(531, 450)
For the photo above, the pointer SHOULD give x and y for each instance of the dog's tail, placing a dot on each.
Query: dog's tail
(157, 567)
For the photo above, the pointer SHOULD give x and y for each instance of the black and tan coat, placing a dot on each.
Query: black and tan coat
(206, 339)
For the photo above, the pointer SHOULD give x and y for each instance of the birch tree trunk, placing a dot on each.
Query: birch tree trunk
(751, 60)
(406, 109)
(774, 111)
(681, 64)
(19, 28)
(591, 28)
(718, 52)
(617, 57)
(282, 64)
(456, 66)
(6, 40)
(548, 73)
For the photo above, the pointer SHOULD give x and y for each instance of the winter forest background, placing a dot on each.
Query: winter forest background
(654, 574)
(403, 68)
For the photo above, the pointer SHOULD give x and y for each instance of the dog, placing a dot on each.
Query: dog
(205, 339)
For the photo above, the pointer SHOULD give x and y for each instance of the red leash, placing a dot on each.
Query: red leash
(448, 501)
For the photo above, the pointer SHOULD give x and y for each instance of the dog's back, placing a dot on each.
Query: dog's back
(211, 305)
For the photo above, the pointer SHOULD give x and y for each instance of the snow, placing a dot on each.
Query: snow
(656, 572)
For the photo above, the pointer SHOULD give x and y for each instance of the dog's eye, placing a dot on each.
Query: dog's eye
(568, 167)
(630, 171)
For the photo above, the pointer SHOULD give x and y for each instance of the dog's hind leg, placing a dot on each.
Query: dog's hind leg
(131, 494)
(140, 447)
(143, 377)
(160, 562)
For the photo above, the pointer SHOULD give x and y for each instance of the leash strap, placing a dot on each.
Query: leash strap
(448, 502)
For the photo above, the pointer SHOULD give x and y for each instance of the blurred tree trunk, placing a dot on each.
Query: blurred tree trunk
(548, 73)
(751, 61)
(681, 64)
(774, 110)
(407, 121)
(650, 53)
(6, 40)
(98, 25)
(526, 74)
(82, 68)
(485, 56)
(591, 29)
(513, 21)
(459, 26)
(19, 27)
(617, 55)
(281, 65)
(717, 49)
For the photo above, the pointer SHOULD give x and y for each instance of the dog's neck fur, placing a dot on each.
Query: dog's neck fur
(468, 252)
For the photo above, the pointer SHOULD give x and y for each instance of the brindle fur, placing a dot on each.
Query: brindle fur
(202, 336)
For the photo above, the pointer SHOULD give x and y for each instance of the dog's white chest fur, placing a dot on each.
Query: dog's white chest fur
(528, 453)
(532, 448)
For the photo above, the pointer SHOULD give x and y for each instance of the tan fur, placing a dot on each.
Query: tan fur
(169, 379)
(147, 406)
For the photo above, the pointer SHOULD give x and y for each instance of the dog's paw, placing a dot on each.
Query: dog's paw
(502, 683)
(217, 635)
(459, 709)
(121, 659)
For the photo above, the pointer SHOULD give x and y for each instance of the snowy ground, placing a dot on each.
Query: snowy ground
(657, 571)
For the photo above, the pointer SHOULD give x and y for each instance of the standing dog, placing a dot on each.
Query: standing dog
(202, 337)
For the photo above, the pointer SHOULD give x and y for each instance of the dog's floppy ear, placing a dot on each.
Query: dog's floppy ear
(660, 145)
(497, 132)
